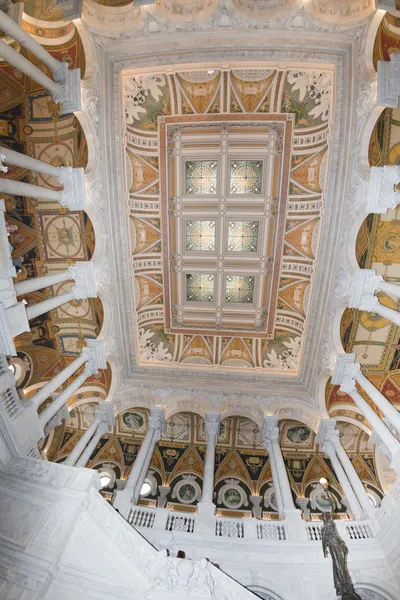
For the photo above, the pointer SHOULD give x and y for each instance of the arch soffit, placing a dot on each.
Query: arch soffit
(303, 413)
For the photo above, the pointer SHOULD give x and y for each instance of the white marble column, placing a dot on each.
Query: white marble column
(82, 443)
(327, 442)
(93, 353)
(351, 473)
(73, 196)
(381, 189)
(85, 287)
(131, 492)
(271, 435)
(66, 87)
(212, 428)
(38, 283)
(104, 414)
(87, 453)
(346, 373)
(268, 430)
(61, 399)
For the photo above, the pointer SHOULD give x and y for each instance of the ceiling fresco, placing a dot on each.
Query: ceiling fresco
(224, 242)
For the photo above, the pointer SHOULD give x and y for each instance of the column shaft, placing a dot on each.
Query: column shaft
(376, 423)
(11, 28)
(145, 466)
(382, 403)
(87, 453)
(21, 63)
(82, 443)
(53, 408)
(38, 283)
(34, 310)
(287, 498)
(348, 491)
(137, 466)
(53, 385)
(354, 479)
(19, 188)
(11, 157)
(208, 480)
(275, 479)
(387, 313)
(393, 289)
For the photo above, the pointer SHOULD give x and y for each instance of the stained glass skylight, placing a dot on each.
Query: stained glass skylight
(243, 236)
(239, 289)
(200, 236)
(246, 177)
(200, 287)
(201, 177)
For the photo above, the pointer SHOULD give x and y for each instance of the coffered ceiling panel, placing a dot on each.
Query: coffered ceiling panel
(226, 172)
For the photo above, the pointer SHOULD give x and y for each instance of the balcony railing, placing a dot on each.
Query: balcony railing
(164, 520)
(18, 417)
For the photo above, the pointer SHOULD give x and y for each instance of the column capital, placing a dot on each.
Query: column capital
(346, 369)
(105, 413)
(363, 288)
(212, 425)
(389, 5)
(103, 428)
(381, 194)
(329, 449)
(74, 192)
(157, 419)
(326, 430)
(270, 430)
(85, 283)
(389, 81)
(95, 356)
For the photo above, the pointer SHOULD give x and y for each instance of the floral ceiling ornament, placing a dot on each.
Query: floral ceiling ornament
(288, 359)
(318, 86)
(148, 349)
(136, 92)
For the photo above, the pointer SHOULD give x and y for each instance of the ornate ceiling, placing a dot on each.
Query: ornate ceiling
(225, 195)
(153, 240)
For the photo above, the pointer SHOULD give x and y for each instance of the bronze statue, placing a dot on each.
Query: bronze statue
(338, 550)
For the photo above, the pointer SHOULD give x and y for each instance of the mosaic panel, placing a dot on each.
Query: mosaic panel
(201, 177)
(246, 177)
(239, 289)
(200, 288)
(200, 236)
(243, 236)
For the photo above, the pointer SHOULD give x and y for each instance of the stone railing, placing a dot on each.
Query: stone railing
(13, 319)
(19, 421)
(164, 521)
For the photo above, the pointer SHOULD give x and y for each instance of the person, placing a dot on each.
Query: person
(332, 542)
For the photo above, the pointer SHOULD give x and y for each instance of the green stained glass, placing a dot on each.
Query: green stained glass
(239, 288)
(242, 236)
(200, 288)
(201, 177)
(246, 177)
(200, 236)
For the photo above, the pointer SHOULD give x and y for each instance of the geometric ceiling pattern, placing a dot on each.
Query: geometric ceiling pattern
(224, 244)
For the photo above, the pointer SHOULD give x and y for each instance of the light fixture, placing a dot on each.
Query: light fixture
(323, 482)
(211, 71)
(145, 489)
(105, 480)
